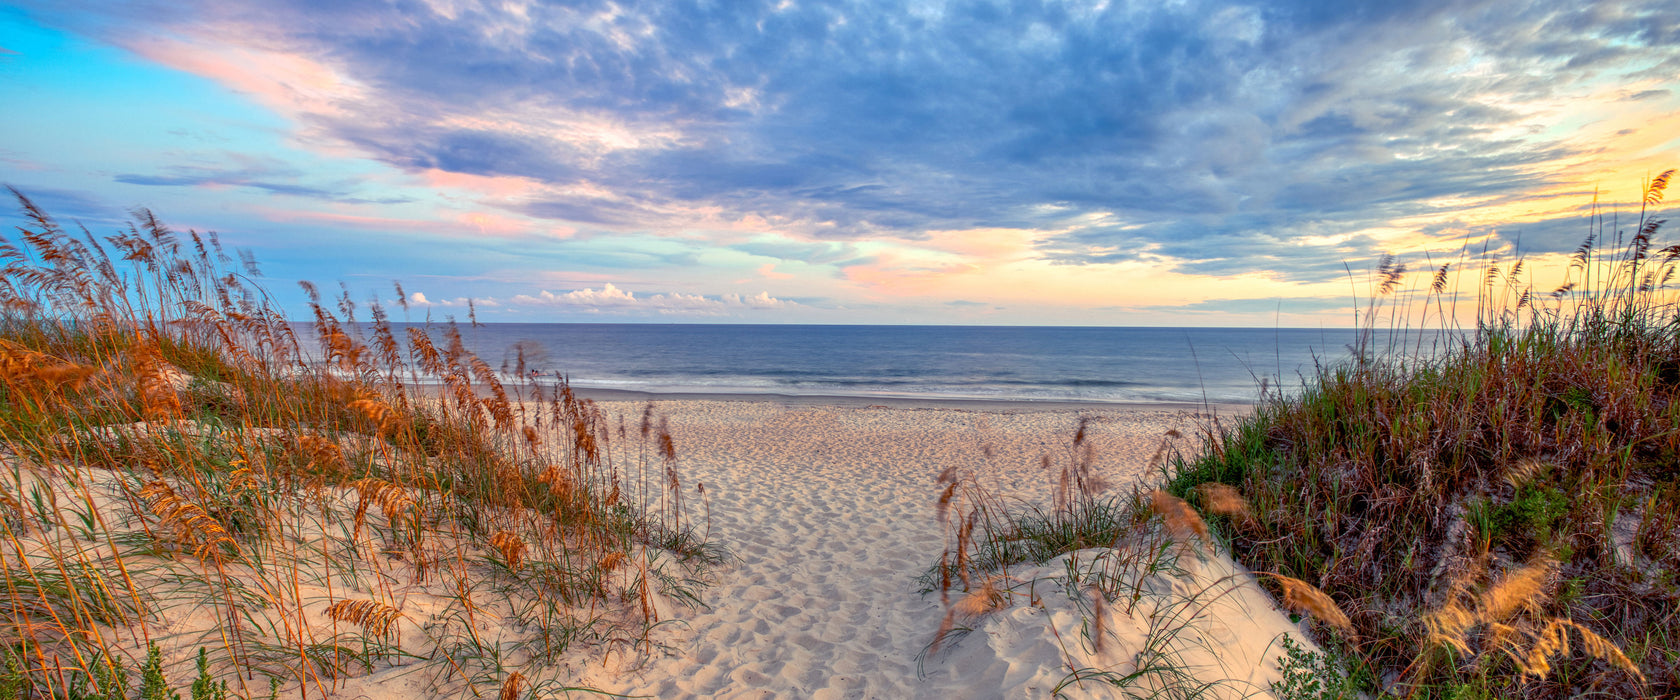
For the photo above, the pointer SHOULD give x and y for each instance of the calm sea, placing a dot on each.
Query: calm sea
(991, 362)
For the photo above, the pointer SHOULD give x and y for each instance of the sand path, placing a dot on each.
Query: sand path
(830, 513)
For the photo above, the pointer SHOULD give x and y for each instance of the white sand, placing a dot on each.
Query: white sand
(830, 510)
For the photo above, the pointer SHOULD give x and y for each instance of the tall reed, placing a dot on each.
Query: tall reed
(181, 470)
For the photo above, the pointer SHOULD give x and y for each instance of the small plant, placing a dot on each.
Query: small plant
(1315, 675)
(205, 686)
(111, 677)
(14, 682)
(154, 685)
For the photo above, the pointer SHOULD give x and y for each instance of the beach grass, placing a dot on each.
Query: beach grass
(186, 483)
(1490, 514)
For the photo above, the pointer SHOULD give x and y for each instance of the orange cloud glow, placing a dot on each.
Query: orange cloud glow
(768, 271)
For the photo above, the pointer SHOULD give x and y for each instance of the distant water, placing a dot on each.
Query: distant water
(989, 362)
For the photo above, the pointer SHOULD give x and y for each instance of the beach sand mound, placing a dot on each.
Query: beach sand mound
(1206, 625)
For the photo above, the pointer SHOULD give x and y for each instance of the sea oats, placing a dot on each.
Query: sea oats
(1181, 520)
(370, 615)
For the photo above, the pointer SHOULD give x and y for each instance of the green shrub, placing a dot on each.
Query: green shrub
(1317, 675)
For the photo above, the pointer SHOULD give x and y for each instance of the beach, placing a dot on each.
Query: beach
(829, 510)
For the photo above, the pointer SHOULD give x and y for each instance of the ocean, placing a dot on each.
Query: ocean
(1220, 365)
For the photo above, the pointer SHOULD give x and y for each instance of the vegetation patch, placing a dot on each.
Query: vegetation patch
(1475, 512)
(182, 471)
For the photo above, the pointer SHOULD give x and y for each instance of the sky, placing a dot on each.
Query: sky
(1177, 163)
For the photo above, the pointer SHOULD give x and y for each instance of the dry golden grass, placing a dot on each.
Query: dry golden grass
(21, 367)
(1490, 487)
(1303, 597)
(511, 547)
(370, 615)
(192, 525)
(1552, 641)
(1523, 470)
(1508, 617)
(511, 687)
(394, 501)
(986, 598)
(1522, 591)
(611, 561)
(1449, 625)
(1181, 520)
(1221, 499)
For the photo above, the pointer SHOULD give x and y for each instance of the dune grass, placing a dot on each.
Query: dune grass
(1498, 516)
(1493, 514)
(179, 476)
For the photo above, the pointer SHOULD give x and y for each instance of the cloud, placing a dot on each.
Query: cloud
(768, 271)
(213, 178)
(65, 204)
(610, 298)
(809, 252)
(253, 173)
(1288, 305)
(420, 299)
(1214, 136)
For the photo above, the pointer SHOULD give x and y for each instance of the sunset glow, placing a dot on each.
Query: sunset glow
(1202, 163)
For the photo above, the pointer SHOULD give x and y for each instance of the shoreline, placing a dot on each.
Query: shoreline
(909, 402)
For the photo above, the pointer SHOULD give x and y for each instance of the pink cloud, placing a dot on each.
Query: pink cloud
(991, 244)
(368, 222)
(496, 225)
(889, 273)
(504, 186)
(768, 270)
(288, 83)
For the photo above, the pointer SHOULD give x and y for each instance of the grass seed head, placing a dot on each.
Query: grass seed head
(394, 501)
(1222, 499)
(192, 525)
(511, 687)
(376, 411)
(511, 547)
(370, 615)
(1521, 591)
(1182, 521)
(985, 598)
(1524, 470)
(1303, 597)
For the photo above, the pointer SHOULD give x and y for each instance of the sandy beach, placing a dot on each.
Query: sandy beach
(829, 508)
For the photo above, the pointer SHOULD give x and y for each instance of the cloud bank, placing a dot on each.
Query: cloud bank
(1216, 137)
(610, 298)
